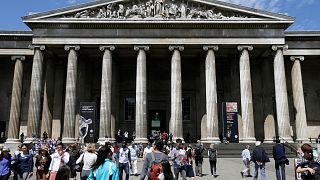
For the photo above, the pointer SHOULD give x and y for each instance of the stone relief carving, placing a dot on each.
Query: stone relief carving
(157, 10)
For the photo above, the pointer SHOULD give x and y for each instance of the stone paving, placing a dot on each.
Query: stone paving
(228, 169)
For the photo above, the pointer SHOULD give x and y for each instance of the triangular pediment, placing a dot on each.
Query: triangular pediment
(157, 10)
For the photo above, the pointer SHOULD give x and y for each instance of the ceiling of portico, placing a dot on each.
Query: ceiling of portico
(157, 11)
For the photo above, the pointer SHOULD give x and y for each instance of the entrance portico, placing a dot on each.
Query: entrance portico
(183, 65)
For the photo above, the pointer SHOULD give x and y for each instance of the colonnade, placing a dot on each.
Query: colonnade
(176, 126)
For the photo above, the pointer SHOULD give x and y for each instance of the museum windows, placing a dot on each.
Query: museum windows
(130, 109)
(186, 107)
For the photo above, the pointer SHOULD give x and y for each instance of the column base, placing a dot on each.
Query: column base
(141, 140)
(12, 144)
(268, 140)
(211, 140)
(248, 140)
(104, 140)
(68, 140)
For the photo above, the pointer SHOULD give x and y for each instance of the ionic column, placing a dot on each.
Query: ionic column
(15, 109)
(141, 95)
(70, 97)
(281, 94)
(211, 95)
(35, 93)
(176, 93)
(105, 102)
(46, 122)
(246, 95)
(298, 99)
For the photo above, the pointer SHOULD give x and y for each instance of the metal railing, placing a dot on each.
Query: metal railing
(288, 144)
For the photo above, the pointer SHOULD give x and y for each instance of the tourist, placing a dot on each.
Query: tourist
(189, 155)
(152, 159)
(259, 157)
(124, 159)
(178, 155)
(74, 155)
(246, 158)
(310, 169)
(42, 164)
(5, 163)
(147, 150)
(88, 158)
(212, 155)
(63, 173)
(58, 159)
(279, 155)
(198, 157)
(134, 158)
(104, 168)
(165, 171)
(24, 163)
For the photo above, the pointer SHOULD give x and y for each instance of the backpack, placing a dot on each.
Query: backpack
(212, 155)
(198, 151)
(155, 165)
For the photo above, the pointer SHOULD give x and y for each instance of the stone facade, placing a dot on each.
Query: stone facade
(181, 59)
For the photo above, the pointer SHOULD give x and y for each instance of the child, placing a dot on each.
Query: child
(165, 171)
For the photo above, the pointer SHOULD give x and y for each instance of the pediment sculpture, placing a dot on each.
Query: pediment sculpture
(158, 10)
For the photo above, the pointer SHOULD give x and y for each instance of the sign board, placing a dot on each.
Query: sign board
(230, 121)
(87, 121)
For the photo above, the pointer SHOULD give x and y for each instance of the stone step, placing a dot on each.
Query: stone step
(233, 150)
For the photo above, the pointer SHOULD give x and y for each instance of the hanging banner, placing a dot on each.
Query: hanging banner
(230, 122)
(87, 121)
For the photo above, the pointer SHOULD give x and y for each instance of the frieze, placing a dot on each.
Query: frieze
(158, 10)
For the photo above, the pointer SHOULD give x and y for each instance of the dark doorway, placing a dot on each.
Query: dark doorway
(157, 121)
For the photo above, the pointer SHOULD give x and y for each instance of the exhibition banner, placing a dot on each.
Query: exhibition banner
(230, 121)
(87, 121)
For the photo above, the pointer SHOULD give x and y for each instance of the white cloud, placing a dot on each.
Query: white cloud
(72, 1)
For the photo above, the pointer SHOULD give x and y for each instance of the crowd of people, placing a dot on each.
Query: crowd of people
(162, 160)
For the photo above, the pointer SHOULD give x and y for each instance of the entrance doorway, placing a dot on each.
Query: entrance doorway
(157, 121)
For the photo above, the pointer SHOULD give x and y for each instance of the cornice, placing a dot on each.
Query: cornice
(159, 25)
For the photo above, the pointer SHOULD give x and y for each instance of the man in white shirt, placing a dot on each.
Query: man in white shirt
(59, 159)
(134, 158)
(246, 161)
(147, 150)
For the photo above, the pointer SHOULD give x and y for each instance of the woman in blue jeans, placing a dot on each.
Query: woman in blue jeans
(24, 163)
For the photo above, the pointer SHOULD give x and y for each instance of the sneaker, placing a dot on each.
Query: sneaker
(241, 174)
(249, 175)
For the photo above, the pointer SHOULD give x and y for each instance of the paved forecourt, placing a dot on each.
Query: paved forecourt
(227, 169)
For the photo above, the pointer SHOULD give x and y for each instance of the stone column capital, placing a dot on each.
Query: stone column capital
(107, 47)
(174, 47)
(213, 47)
(299, 58)
(21, 58)
(138, 47)
(276, 47)
(41, 47)
(68, 47)
(241, 48)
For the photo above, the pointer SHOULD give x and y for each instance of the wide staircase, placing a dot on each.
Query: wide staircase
(234, 150)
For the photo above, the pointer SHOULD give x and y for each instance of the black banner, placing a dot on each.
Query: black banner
(230, 122)
(87, 121)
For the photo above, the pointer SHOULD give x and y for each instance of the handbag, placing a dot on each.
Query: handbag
(78, 167)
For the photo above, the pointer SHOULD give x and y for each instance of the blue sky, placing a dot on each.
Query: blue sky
(307, 12)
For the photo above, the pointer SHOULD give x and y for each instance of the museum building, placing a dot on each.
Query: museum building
(164, 65)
